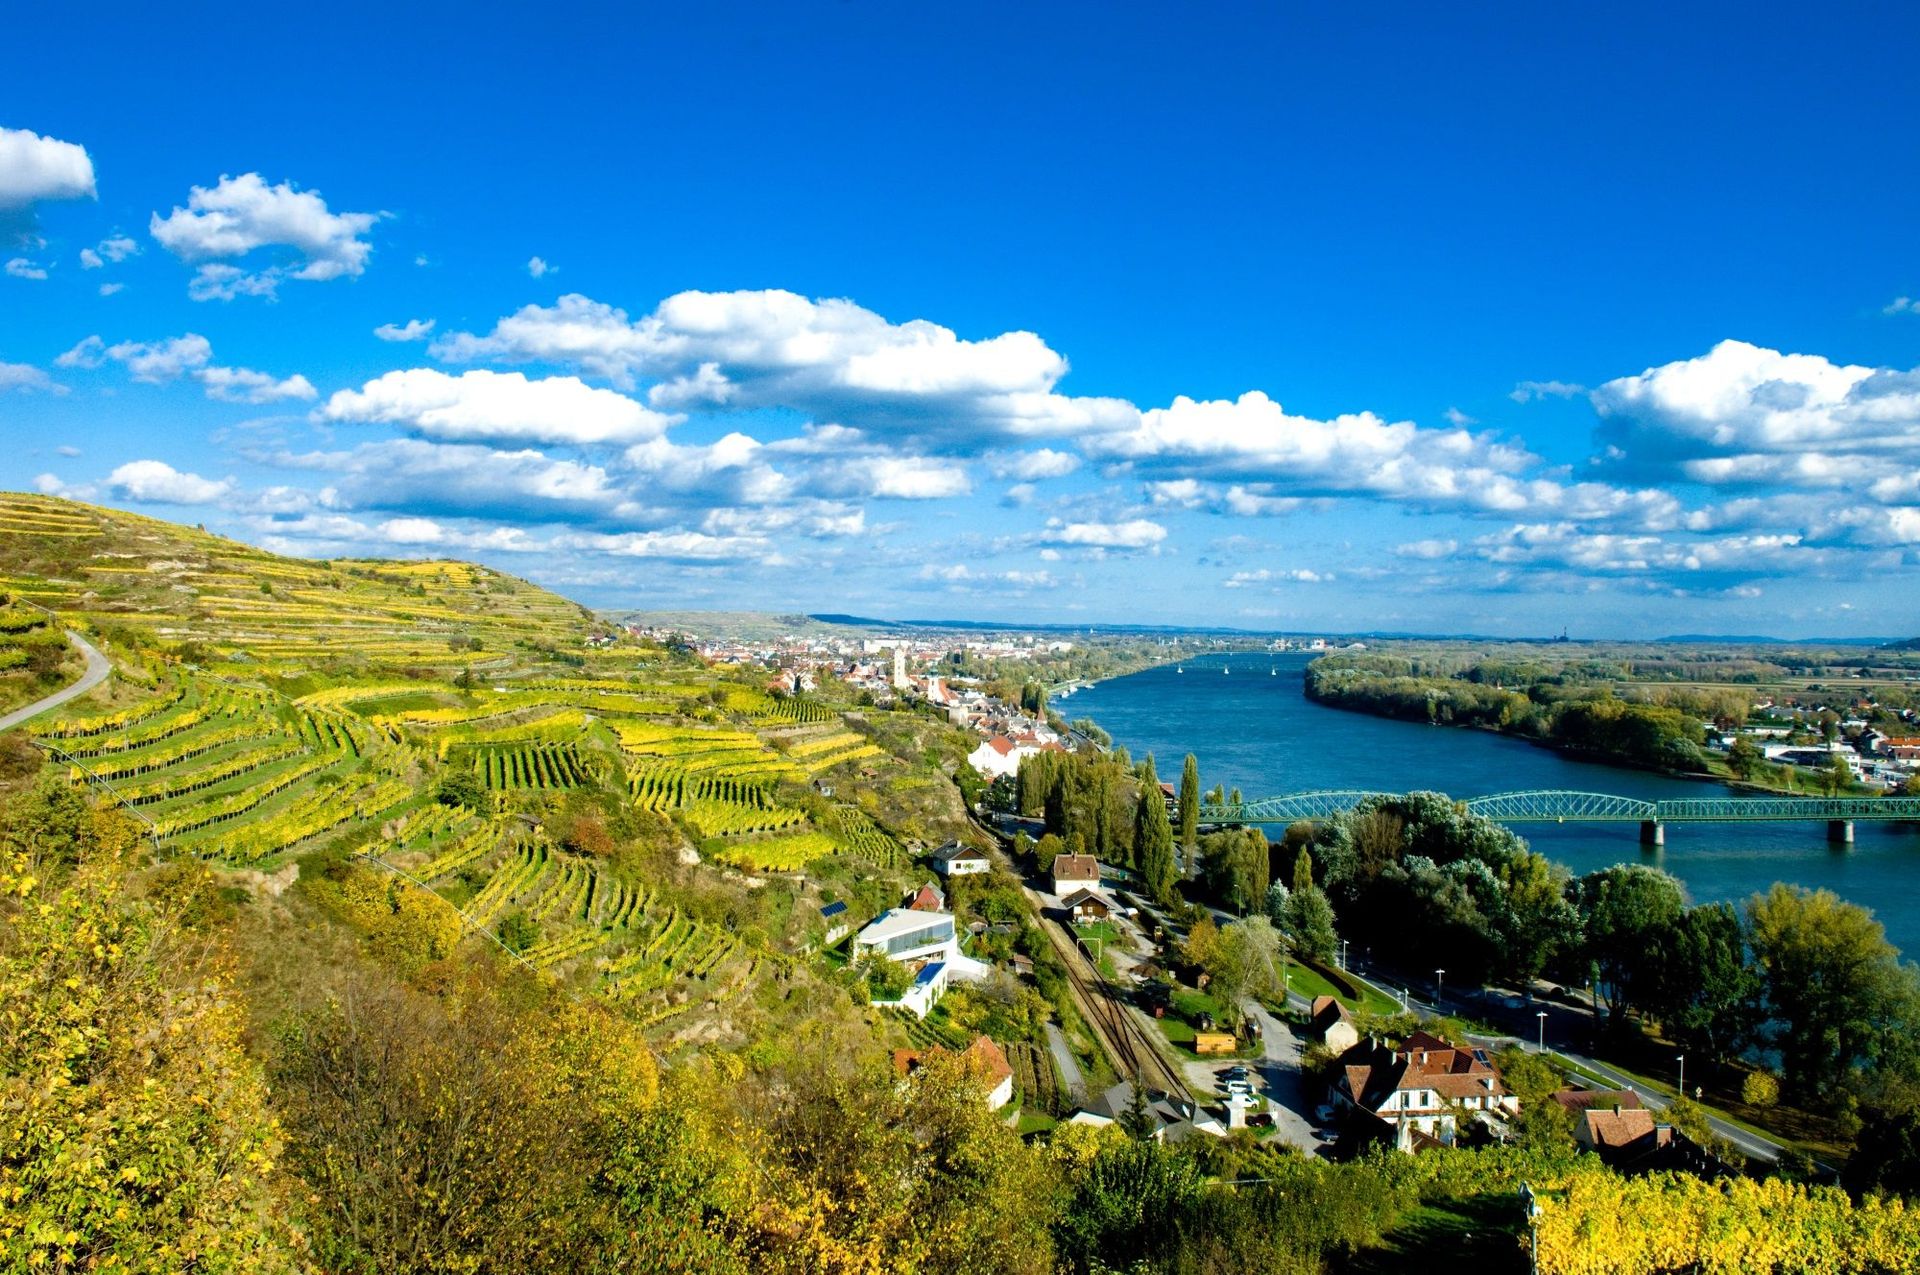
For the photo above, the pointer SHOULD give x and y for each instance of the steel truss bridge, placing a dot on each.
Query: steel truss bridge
(1560, 806)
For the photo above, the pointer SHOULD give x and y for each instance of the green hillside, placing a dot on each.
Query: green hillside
(443, 728)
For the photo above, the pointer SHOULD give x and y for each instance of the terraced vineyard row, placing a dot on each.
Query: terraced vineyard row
(862, 838)
(544, 765)
(788, 853)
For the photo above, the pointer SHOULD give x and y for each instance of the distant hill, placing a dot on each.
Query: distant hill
(1910, 644)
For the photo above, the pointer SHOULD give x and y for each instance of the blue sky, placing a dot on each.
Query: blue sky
(1492, 320)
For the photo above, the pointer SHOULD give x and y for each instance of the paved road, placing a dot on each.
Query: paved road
(1076, 1084)
(96, 673)
(1284, 1082)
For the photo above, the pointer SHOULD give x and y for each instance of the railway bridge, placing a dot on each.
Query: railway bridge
(1562, 806)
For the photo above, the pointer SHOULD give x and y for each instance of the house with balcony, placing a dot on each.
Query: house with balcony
(1416, 1095)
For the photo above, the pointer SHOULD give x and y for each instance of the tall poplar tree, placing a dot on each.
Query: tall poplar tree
(1153, 840)
(1190, 802)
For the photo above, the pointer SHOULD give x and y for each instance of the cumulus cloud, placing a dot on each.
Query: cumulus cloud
(26, 378)
(22, 268)
(157, 482)
(481, 406)
(117, 248)
(411, 330)
(1031, 466)
(416, 476)
(242, 214)
(830, 359)
(1134, 533)
(1427, 550)
(244, 385)
(35, 168)
(1746, 415)
(538, 268)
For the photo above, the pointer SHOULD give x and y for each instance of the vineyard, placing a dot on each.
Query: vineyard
(265, 708)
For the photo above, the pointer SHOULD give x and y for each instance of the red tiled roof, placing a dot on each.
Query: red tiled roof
(1076, 867)
(1618, 1128)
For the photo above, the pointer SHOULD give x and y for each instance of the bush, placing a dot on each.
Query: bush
(460, 787)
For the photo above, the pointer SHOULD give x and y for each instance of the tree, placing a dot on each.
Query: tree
(1153, 841)
(1835, 989)
(1246, 960)
(1744, 757)
(1886, 1157)
(1137, 1120)
(1190, 802)
(1836, 777)
(1235, 862)
(460, 786)
(1626, 910)
(1307, 919)
(1703, 988)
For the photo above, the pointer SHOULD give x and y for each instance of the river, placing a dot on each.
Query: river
(1253, 728)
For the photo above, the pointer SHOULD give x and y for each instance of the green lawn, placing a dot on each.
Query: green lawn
(1033, 1120)
(1310, 985)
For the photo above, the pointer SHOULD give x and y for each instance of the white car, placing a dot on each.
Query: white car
(1242, 1087)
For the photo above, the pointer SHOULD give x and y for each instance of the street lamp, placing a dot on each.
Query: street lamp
(1343, 954)
(1682, 1060)
(1438, 987)
(1542, 1016)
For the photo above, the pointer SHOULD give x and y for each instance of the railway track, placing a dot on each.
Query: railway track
(1119, 1032)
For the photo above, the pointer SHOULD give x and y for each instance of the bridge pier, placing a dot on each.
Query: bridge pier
(1840, 831)
(1653, 833)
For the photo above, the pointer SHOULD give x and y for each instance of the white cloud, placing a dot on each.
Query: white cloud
(87, 353)
(413, 531)
(895, 477)
(33, 168)
(413, 330)
(1295, 575)
(1458, 419)
(1428, 550)
(152, 362)
(1134, 533)
(67, 449)
(1528, 391)
(26, 378)
(108, 289)
(244, 385)
(157, 362)
(680, 545)
(1901, 305)
(412, 475)
(1030, 466)
(831, 359)
(1241, 579)
(242, 214)
(160, 483)
(498, 407)
(538, 268)
(217, 281)
(1745, 414)
(117, 248)
(21, 268)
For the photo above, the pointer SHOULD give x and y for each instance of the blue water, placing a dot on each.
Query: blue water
(1256, 730)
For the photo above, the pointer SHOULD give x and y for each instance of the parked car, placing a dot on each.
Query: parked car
(1244, 1087)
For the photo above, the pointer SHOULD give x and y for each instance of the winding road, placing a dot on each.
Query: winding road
(97, 671)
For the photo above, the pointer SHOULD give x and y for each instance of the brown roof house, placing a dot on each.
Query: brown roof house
(983, 1058)
(1074, 871)
(1416, 1095)
(1086, 905)
(1332, 1025)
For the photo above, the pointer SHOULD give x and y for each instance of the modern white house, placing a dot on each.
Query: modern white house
(927, 941)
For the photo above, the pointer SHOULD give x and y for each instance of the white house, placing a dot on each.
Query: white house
(956, 860)
(926, 941)
(999, 756)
